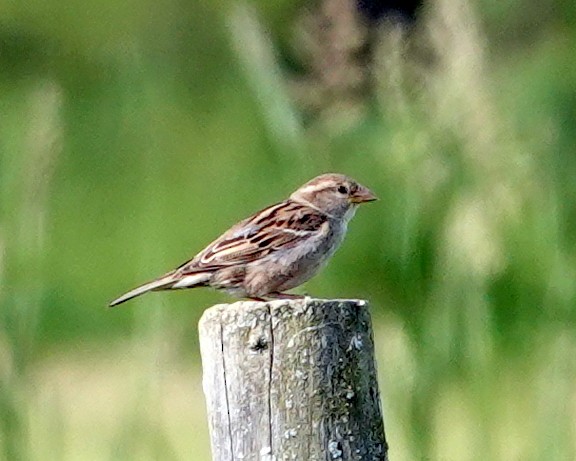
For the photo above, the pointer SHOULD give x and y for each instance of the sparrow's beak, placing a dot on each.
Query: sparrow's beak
(363, 194)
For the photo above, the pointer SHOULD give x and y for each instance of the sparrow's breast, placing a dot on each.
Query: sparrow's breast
(297, 265)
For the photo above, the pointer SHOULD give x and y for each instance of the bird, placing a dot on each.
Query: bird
(274, 250)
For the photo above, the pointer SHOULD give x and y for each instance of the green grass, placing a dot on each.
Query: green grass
(131, 135)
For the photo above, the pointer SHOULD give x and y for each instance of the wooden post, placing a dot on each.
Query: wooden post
(292, 380)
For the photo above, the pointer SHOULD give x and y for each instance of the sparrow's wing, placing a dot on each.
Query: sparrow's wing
(276, 228)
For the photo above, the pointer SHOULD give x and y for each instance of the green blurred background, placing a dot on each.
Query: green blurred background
(132, 133)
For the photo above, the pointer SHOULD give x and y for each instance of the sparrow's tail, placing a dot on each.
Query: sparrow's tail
(170, 280)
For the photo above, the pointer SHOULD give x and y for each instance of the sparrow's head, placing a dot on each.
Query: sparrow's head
(334, 194)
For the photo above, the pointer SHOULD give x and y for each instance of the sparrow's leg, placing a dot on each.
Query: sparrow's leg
(254, 298)
(278, 295)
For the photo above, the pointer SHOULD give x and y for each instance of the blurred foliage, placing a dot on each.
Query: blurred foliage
(133, 133)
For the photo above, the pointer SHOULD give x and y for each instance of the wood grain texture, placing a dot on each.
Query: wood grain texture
(291, 380)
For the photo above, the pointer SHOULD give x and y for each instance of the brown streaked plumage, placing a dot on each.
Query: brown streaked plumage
(274, 250)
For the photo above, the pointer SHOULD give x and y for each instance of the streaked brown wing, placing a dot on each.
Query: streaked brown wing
(278, 227)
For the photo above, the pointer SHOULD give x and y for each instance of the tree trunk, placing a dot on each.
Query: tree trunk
(292, 380)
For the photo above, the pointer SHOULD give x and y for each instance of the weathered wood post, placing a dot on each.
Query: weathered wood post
(292, 380)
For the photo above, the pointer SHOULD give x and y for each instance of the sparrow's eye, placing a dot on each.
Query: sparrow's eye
(343, 190)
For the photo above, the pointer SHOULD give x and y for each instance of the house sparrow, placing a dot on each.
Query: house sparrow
(274, 250)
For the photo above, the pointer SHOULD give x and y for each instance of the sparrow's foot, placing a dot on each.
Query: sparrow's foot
(279, 295)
